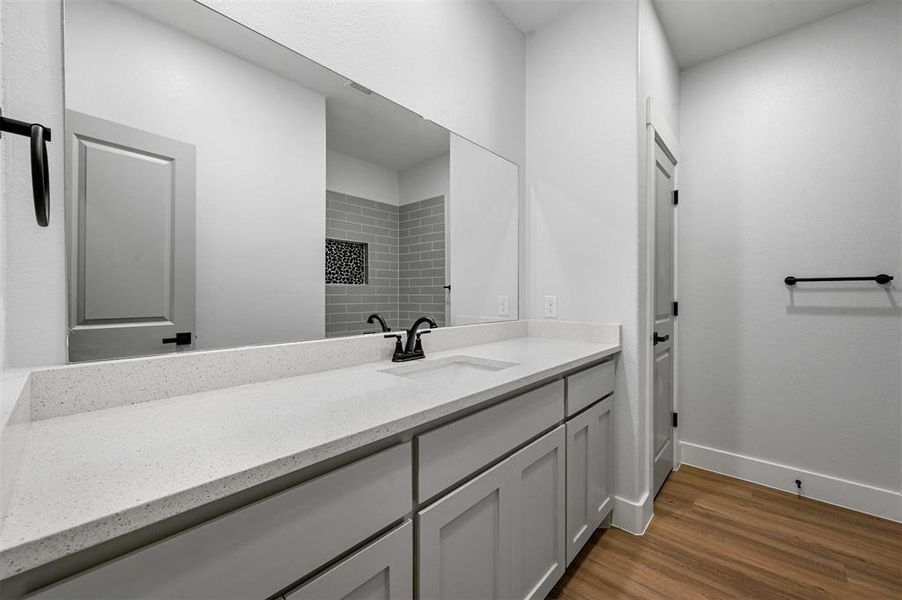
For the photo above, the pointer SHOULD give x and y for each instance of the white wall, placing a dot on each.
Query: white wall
(259, 278)
(482, 230)
(458, 63)
(34, 269)
(583, 213)
(791, 165)
(424, 180)
(349, 175)
(659, 75)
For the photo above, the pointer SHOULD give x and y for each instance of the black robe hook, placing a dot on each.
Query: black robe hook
(40, 176)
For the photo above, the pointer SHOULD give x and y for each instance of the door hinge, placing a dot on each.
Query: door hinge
(676, 419)
(676, 308)
(183, 338)
(676, 197)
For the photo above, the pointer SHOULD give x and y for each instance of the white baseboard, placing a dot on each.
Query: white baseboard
(633, 517)
(833, 490)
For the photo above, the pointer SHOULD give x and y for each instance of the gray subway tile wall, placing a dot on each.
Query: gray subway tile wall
(421, 245)
(406, 253)
(375, 223)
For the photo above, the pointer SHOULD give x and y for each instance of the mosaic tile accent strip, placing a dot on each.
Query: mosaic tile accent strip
(346, 262)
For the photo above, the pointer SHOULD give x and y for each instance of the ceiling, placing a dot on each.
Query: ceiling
(365, 126)
(529, 15)
(699, 30)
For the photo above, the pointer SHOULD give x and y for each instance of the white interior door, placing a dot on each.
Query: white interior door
(663, 340)
(131, 218)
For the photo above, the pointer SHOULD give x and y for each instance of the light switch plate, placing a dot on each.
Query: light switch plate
(504, 306)
(550, 310)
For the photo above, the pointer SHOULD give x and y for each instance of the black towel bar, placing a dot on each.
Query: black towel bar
(40, 176)
(882, 279)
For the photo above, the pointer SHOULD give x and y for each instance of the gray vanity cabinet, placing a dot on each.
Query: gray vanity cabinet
(536, 472)
(589, 482)
(382, 570)
(539, 546)
(464, 540)
(500, 535)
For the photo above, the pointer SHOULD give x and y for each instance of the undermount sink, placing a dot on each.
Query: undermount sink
(448, 370)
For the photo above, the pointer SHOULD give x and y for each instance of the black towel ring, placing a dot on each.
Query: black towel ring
(40, 175)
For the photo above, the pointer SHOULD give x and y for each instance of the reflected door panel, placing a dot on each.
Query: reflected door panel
(131, 211)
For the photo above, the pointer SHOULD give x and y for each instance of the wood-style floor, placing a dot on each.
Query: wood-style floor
(718, 537)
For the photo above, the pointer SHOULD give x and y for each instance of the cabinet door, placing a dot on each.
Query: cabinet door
(381, 571)
(589, 453)
(602, 469)
(537, 501)
(464, 541)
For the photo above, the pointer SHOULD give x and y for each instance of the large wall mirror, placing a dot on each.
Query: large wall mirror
(225, 191)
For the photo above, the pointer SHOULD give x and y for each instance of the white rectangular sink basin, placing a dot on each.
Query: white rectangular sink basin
(448, 370)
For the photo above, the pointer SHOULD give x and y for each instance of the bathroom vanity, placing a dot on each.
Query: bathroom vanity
(235, 222)
(367, 481)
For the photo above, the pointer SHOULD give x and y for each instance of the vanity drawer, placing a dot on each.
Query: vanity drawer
(450, 453)
(257, 550)
(589, 386)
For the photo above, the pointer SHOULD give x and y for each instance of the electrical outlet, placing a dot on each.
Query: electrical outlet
(550, 310)
(504, 306)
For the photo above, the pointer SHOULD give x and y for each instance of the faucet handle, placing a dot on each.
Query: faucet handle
(418, 344)
(399, 349)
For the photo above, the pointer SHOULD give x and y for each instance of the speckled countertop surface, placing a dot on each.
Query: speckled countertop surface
(86, 478)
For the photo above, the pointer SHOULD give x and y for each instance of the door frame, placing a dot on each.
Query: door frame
(658, 131)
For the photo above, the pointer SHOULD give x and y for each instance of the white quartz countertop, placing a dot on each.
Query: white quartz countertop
(87, 478)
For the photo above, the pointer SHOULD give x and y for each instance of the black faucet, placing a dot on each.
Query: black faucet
(414, 348)
(376, 317)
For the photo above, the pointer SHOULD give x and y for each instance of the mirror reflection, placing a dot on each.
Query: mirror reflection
(224, 191)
